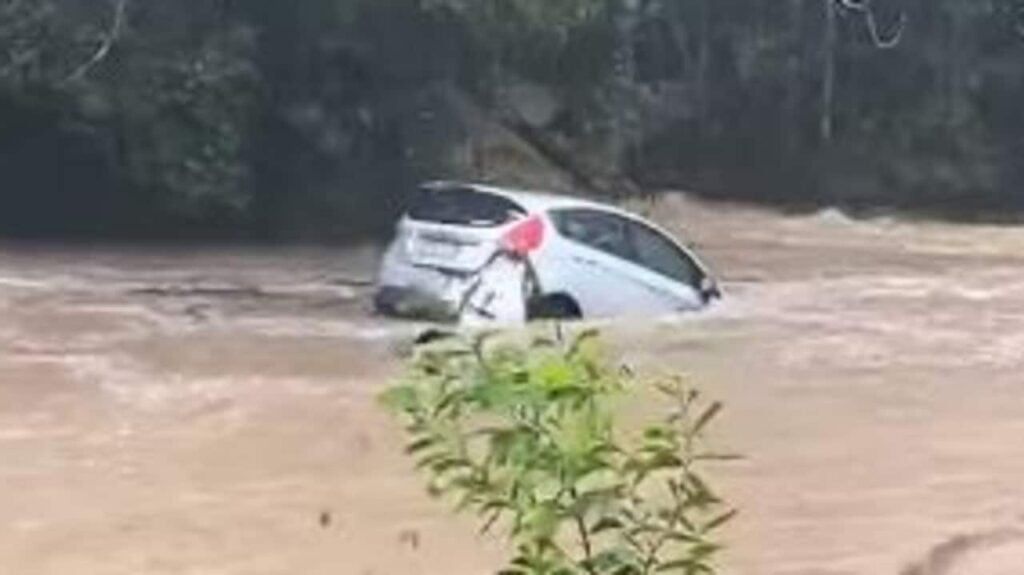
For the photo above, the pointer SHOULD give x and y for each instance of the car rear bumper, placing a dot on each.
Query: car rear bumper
(413, 302)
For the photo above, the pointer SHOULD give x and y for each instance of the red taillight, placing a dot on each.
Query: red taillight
(526, 237)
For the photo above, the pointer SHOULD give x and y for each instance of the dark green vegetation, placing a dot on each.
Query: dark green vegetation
(532, 439)
(307, 119)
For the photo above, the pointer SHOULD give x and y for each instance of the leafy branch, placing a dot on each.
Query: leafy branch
(528, 437)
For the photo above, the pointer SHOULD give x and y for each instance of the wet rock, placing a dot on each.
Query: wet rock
(410, 538)
(998, 552)
(325, 519)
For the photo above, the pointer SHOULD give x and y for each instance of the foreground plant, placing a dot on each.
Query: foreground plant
(527, 436)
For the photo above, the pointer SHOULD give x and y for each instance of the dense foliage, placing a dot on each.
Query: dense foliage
(309, 118)
(532, 439)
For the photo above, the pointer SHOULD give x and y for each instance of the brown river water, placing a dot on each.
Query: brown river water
(212, 411)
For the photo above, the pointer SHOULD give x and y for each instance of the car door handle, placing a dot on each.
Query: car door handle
(584, 261)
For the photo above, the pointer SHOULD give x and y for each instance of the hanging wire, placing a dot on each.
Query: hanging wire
(867, 9)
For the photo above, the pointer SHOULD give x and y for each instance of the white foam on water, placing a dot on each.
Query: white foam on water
(359, 330)
(23, 283)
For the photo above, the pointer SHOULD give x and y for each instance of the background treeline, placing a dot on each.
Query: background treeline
(270, 119)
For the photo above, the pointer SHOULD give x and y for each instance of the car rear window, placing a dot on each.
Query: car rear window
(464, 207)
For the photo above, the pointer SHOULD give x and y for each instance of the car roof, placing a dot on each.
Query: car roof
(535, 202)
(530, 200)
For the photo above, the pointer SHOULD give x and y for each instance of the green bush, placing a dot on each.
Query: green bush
(529, 436)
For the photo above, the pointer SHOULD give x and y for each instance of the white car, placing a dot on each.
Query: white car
(581, 259)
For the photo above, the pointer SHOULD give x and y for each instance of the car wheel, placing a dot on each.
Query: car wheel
(386, 303)
(554, 307)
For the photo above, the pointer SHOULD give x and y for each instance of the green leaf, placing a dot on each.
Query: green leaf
(521, 561)
(496, 507)
(682, 537)
(543, 342)
(619, 560)
(670, 389)
(448, 464)
(416, 428)
(555, 374)
(706, 417)
(429, 460)
(686, 523)
(644, 529)
(446, 402)
(607, 523)
(678, 566)
(664, 460)
(449, 355)
(542, 521)
(581, 340)
(726, 457)
(720, 520)
(704, 550)
(659, 433)
(700, 491)
(402, 398)
(420, 445)
(595, 498)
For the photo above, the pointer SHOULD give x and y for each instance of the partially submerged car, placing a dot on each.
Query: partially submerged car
(474, 251)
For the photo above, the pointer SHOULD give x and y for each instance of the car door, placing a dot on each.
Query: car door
(672, 276)
(596, 265)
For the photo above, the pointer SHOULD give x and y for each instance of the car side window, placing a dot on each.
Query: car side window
(659, 254)
(595, 229)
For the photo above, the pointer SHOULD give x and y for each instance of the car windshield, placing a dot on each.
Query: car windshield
(464, 207)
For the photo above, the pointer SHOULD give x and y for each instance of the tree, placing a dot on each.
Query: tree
(169, 95)
(264, 116)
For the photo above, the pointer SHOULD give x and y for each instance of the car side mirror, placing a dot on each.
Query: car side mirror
(709, 290)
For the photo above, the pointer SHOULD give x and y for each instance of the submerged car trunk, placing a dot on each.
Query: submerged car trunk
(455, 228)
(447, 247)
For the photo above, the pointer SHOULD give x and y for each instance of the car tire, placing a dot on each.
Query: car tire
(384, 303)
(554, 307)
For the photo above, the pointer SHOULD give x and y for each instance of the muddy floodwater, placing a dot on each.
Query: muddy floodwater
(212, 411)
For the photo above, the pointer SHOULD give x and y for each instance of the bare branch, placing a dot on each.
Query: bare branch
(866, 8)
(109, 40)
